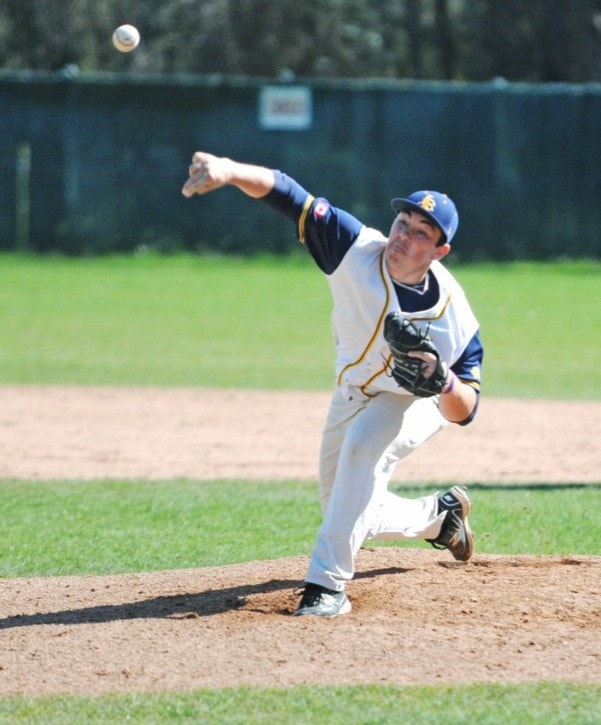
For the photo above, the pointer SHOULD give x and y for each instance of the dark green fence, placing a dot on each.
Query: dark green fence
(95, 163)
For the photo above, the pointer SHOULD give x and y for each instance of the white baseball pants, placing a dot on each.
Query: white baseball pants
(362, 442)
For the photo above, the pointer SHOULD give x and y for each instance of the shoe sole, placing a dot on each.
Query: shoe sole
(466, 506)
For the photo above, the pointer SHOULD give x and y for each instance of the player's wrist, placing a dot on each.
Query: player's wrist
(450, 384)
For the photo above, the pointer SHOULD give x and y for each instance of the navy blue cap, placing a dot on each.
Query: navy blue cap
(437, 207)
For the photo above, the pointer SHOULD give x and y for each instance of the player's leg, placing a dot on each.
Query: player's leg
(340, 414)
(368, 454)
(397, 517)
(446, 525)
(323, 600)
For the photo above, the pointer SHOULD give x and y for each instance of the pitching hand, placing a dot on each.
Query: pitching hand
(206, 173)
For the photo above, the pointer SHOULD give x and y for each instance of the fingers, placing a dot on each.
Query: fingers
(202, 175)
(425, 356)
(200, 163)
(189, 188)
(197, 177)
(429, 362)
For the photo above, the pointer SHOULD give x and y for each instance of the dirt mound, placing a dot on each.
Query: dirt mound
(418, 616)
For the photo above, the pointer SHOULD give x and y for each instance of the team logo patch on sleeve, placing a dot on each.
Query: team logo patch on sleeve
(320, 209)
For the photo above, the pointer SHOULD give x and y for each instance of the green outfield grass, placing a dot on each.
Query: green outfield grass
(108, 527)
(265, 323)
(559, 704)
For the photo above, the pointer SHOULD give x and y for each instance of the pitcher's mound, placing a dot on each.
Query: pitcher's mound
(418, 617)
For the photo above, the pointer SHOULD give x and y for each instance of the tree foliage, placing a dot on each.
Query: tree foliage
(537, 41)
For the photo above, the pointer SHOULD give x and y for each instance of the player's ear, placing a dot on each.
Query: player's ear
(442, 251)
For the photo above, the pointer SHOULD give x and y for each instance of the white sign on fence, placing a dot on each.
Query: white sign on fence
(285, 107)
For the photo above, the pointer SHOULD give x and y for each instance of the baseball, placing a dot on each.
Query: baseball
(126, 38)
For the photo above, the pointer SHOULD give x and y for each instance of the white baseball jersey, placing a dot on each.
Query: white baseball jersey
(363, 294)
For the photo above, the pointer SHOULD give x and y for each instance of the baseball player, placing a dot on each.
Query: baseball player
(408, 360)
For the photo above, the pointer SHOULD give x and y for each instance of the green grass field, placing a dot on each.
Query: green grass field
(107, 527)
(556, 703)
(264, 323)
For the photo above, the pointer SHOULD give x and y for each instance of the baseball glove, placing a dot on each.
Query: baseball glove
(404, 337)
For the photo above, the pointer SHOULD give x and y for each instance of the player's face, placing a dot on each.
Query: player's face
(412, 247)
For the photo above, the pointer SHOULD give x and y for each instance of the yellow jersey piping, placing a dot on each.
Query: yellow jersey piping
(301, 220)
(436, 317)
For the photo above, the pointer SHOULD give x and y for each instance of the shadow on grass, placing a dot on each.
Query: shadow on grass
(478, 486)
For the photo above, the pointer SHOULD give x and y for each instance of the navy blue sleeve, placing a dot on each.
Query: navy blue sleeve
(468, 368)
(287, 197)
(326, 231)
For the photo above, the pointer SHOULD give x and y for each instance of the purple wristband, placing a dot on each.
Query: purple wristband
(452, 382)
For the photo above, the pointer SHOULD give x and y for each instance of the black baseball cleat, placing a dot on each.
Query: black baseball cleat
(322, 602)
(455, 533)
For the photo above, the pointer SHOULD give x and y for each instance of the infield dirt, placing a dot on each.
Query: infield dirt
(418, 616)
